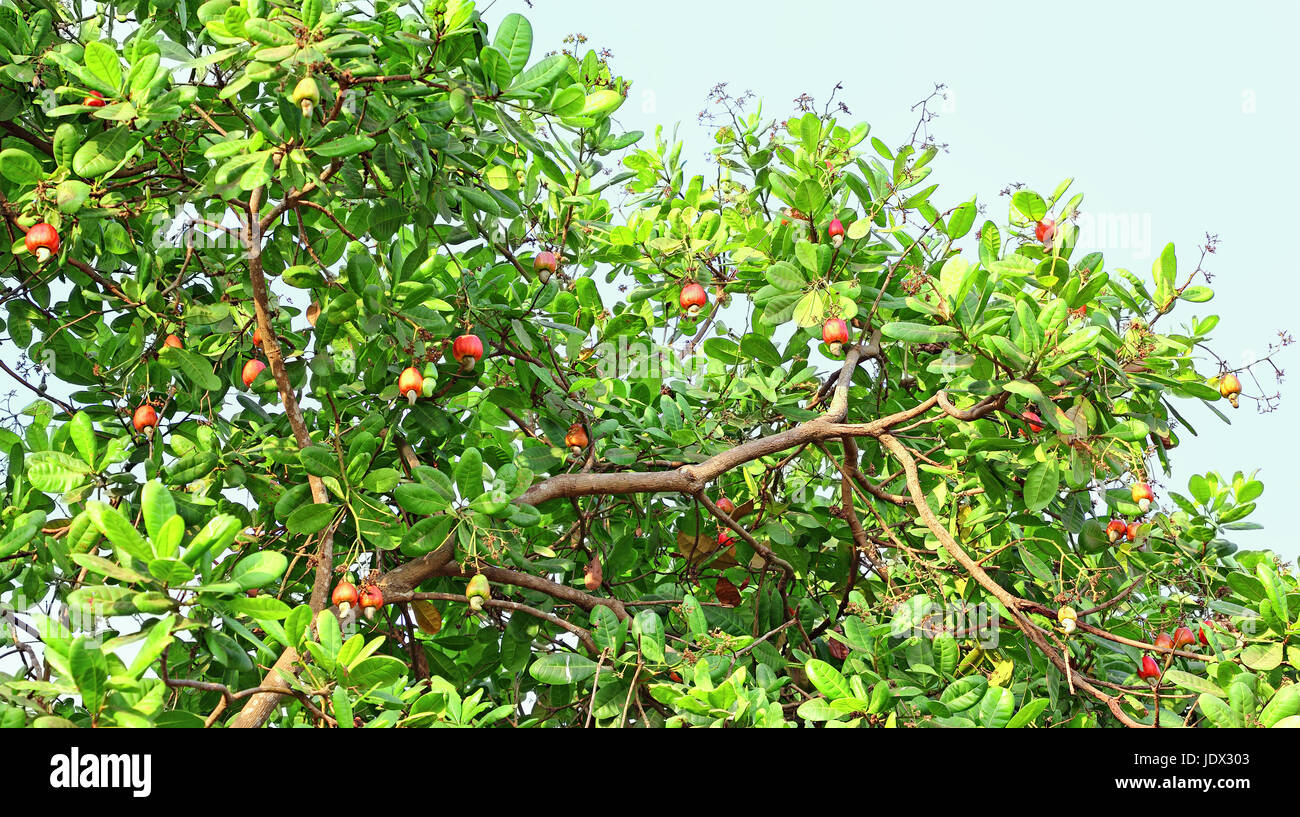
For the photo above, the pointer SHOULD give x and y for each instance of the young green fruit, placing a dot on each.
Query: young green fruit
(305, 95)
(478, 591)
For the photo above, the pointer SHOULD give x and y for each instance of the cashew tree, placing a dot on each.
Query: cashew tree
(362, 371)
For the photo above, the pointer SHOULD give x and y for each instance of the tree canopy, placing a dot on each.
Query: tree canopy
(794, 440)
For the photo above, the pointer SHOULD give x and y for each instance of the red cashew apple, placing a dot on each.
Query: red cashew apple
(1132, 531)
(835, 333)
(145, 417)
(1149, 671)
(1183, 637)
(1142, 496)
(693, 298)
(467, 351)
(345, 595)
(174, 342)
(1165, 641)
(1032, 419)
(726, 505)
(835, 231)
(544, 264)
(251, 370)
(95, 100)
(42, 241)
(410, 383)
(372, 598)
(576, 439)
(1045, 231)
(1116, 529)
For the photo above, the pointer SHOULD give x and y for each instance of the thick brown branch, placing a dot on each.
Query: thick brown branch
(1014, 606)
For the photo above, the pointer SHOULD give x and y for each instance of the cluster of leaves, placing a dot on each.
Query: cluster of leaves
(181, 577)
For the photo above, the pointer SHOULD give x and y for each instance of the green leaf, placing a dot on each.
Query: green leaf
(55, 472)
(1285, 703)
(104, 64)
(827, 679)
(918, 332)
(157, 507)
(197, 370)
(377, 671)
(259, 569)
(417, 498)
(104, 151)
(964, 693)
(541, 74)
(514, 39)
(562, 668)
(158, 639)
(116, 529)
(785, 276)
(1028, 713)
(601, 102)
(1041, 484)
(89, 672)
(20, 167)
(1218, 712)
(104, 567)
(1262, 657)
(310, 518)
(1192, 683)
(996, 708)
(469, 473)
(23, 528)
(349, 145)
(260, 607)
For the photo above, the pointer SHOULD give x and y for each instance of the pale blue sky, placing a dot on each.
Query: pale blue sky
(1174, 117)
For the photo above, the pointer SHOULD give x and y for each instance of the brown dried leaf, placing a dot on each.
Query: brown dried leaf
(727, 593)
(427, 616)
